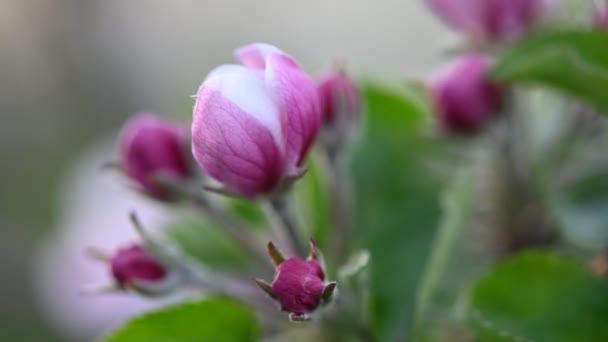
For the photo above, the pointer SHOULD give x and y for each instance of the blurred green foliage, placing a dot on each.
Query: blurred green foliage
(540, 296)
(204, 241)
(396, 204)
(575, 62)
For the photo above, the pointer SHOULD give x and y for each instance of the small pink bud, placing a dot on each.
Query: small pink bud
(254, 123)
(339, 96)
(600, 19)
(491, 20)
(299, 285)
(463, 96)
(151, 147)
(133, 265)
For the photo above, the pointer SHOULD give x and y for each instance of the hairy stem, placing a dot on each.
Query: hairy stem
(281, 206)
(341, 215)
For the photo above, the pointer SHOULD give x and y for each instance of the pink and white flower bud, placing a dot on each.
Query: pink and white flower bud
(339, 96)
(254, 123)
(153, 147)
(464, 97)
(133, 265)
(299, 285)
(491, 20)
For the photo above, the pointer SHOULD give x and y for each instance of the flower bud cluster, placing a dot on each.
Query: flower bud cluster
(253, 125)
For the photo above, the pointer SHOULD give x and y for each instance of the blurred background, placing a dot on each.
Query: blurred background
(72, 71)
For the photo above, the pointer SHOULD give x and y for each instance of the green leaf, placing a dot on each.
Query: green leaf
(396, 204)
(213, 319)
(202, 240)
(575, 62)
(540, 296)
(248, 212)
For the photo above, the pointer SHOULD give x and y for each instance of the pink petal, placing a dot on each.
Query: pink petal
(237, 134)
(508, 19)
(600, 19)
(498, 20)
(464, 15)
(297, 95)
(254, 55)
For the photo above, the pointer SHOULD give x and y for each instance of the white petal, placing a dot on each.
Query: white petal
(255, 55)
(247, 90)
(225, 70)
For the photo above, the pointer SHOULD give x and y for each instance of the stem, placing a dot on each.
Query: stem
(524, 216)
(348, 316)
(281, 206)
(457, 203)
(199, 276)
(341, 216)
(278, 230)
(240, 234)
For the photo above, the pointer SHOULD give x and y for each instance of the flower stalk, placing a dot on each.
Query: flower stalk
(281, 208)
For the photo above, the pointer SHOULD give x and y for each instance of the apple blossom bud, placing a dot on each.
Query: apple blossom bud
(254, 123)
(136, 268)
(339, 96)
(491, 20)
(464, 98)
(153, 147)
(299, 285)
(600, 19)
(133, 265)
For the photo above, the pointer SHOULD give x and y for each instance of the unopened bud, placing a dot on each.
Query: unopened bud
(152, 148)
(463, 95)
(600, 19)
(253, 124)
(339, 96)
(134, 268)
(134, 265)
(299, 285)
